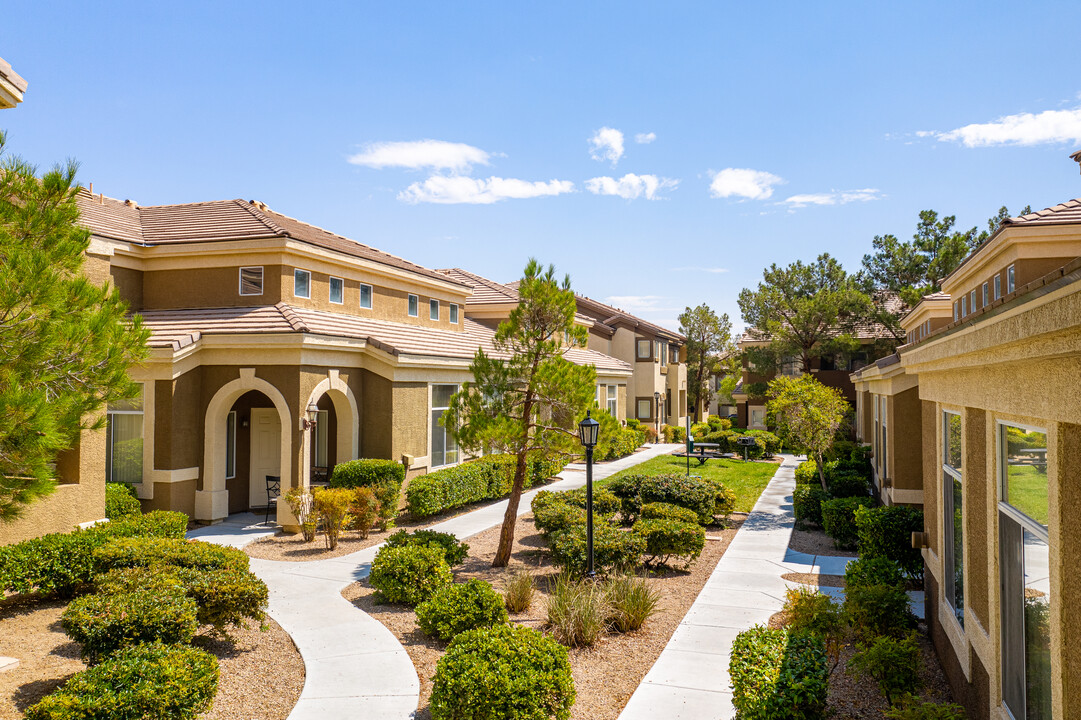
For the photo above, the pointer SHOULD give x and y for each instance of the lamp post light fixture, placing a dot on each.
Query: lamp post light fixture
(657, 413)
(588, 430)
(312, 412)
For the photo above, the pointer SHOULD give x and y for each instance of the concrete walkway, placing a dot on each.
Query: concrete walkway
(354, 666)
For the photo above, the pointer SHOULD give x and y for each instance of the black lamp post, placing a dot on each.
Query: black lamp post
(587, 433)
(657, 414)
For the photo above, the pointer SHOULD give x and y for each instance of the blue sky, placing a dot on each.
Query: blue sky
(770, 132)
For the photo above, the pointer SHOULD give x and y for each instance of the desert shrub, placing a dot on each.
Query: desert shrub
(865, 571)
(409, 574)
(674, 434)
(518, 597)
(807, 473)
(777, 675)
(699, 430)
(505, 671)
(839, 519)
(145, 552)
(120, 500)
(807, 504)
(384, 477)
(454, 551)
(557, 517)
(157, 523)
(666, 539)
(605, 501)
(332, 505)
(56, 564)
(874, 610)
(887, 532)
(812, 612)
(668, 511)
(911, 707)
(302, 504)
(894, 663)
(631, 601)
(364, 510)
(578, 611)
(694, 494)
(650, 433)
(847, 484)
(106, 622)
(613, 549)
(463, 606)
(153, 680)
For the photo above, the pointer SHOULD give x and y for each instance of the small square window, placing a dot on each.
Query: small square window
(337, 290)
(986, 296)
(433, 309)
(414, 306)
(1010, 286)
(302, 284)
(251, 281)
(453, 314)
(645, 352)
(366, 296)
(998, 286)
(645, 408)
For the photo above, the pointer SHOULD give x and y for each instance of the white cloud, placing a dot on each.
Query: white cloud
(645, 138)
(743, 182)
(715, 270)
(418, 154)
(631, 186)
(606, 144)
(651, 307)
(834, 197)
(1049, 126)
(478, 191)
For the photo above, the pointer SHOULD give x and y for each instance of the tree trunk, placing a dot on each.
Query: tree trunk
(821, 471)
(510, 518)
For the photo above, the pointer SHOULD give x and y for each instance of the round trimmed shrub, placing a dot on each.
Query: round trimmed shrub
(612, 549)
(144, 552)
(605, 501)
(152, 680)
(875, 610)
(506, 671)
(106, 622)
(668, 511)
(865, 571)
(724, 502)
(807, 473)
(120, 500)
(887, 532)
(839, 519)
(409, 574)
(156, 523)
(666, 539)
(634, 491)
(454, 551)
(463, 606)
(807, 504)
(559, 516)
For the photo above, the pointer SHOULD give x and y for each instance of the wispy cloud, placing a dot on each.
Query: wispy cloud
(631, 186)
(834, 197)
(606, 145)
(1049, 126)
(457, 189)
(421, 154)
(744, 183)
(654, 308)
(645, 138)
(715, 270)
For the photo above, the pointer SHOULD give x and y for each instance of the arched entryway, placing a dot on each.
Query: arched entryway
(336, 436)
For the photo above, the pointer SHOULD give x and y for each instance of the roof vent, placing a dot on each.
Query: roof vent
(260, 205)
(131, 203)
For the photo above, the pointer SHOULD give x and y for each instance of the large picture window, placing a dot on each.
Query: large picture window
(444, 446)
(124, 441)
(952, 513)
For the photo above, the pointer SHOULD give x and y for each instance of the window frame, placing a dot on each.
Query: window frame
(412, 305)
(972, 299)
(662, 352)
(612, 399)
(1028, 523)
(1011, 279)
(110, 433)
(949, 559)
(986, 295)
(341, 289)
(433, 309)
(638, 408)
(998, 286)
(452, 313)
(240, 280)
(447, 435)
(297, 272)
(964, 307)
(638, 354)
(371, 297)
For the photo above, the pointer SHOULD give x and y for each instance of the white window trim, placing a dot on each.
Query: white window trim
(408, 304)
(433, 309)
(309, 274)
(431, 454)
(453, 313)
(330, 290)
(371, 297)
(240, 280)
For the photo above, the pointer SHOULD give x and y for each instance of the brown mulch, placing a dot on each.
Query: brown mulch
(605, 675)
(31, 632)
(815, 542)
(816, 580)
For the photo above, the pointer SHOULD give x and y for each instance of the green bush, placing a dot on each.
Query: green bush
(807, 473)
(506, 671)
(106, 622)
(631, 601)
(613, 549)
(454, 551)
(666, 539)
(332, 506)
(865, 571)
(58, 564)
(155, 524)
(724, 500)
(847, 484)
(668, 511)
(146, 681)
(447, 489)
(770, 443)
(694, 494)
(605, 501)
(842, 450)
(120, 500)
(578, 611)
(700, 430)
(887, 532)
(874, 610)
(456, 608)
(674, 434)
(777, 675)
(839, 519)
(557, 517)
(912, 708)
(620, 443)
(812, 612)
(144, 552)
(409, 574)
(891, 662)
(807, 504)
(384, 477)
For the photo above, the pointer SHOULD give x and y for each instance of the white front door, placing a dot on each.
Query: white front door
(266, 438)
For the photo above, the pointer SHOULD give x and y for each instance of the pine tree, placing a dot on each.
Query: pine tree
(65, 343)
(709, 342)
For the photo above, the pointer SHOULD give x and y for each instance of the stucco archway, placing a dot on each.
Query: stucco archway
(212, 502)
(348, 421)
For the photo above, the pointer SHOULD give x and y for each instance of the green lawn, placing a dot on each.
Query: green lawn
(746, 480)
(1028, 488)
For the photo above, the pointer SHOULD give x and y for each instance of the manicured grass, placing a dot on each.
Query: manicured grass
(1028, 488)
(746, 480)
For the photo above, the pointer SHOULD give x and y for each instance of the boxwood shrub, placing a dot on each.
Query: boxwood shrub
(106, 622)
(694, 494)
(454, 550)
(486, 478)
(120, 500)
(770, 443)
(144, 552)
(668, 511)
(874, 610)
(864, 571)
(409, 574)
(605, 501)
(157, 523)
(887, 532)
(807, 473)
(666, 539)
(613, 550)
(778, 675)
(839, 519)
(463, 606)
(847, 484)
(807, 504)
(510, 672)
(153, 680)
(384, 477)
(557, 517)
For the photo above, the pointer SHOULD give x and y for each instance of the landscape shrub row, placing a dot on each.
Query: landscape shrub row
(458, 607)
(120, 500)
(634, 491)
(384, 477)
(486, 478)
(779, 674)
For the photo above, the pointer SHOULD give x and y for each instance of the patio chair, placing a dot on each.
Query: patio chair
(273, 490)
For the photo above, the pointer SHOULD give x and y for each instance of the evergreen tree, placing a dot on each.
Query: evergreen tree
(66, 343)
(709, 340)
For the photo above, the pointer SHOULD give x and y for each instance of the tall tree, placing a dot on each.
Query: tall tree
(529, 400)
(709, 339)
(807, 415)
(806, 310)
(67, 344)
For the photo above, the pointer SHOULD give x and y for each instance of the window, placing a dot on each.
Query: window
(883, 443)
(662, 352)
(644, 351)
(612, 400)
(433, 309)
(366, 296)
(320, 433)
(964, 311)
(645, 409)
(251, 281)
(337, 290)
(952, 514)
(956, 306)
(972, 300)
(986, 296)
(1010, 287)
(791, 366)
(758, 417)
(230, 445)
(124, 441)
(453, 314)
(673, 354)
(667, 407)
(414, 306)
(444, 446)
(998, 286)
(302, 284)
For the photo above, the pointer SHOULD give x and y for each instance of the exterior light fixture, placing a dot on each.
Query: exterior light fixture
(312, 412)
(588, 430)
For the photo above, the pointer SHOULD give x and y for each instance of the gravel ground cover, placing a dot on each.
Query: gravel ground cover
(605, 675)
(816, 542)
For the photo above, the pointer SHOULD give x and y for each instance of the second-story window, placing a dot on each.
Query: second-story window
(972, 300)
(366, 296)
(302, 284)
(251, 280)
(998, 286)
(644, 351)
(337, 290)
(662, 351)
(453, 314)
(1010, 287)
(414, 306)
(986, 296)
(433, 309)
(964, 307)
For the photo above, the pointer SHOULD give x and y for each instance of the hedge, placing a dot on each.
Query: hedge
(619, 444)
(807, 473)
(384, 477)
(454, 551)
(464, 606)
(409, 574)
(864, 571)
(605, 501)
(120, 500)
(694, 494)
(613, 550)
(807, 504)
(666, 539)
(777, 675)
(668, 511)
(847, 484)
(887, 532)
(106, 622)
(839, 520)
(157, 523)
(145, 552)
(147, 681)
(486, 478)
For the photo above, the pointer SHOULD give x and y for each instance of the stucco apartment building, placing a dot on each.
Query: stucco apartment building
(978, 419)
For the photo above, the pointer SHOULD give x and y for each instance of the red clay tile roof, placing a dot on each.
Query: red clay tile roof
(485, 291)
(1066, 213)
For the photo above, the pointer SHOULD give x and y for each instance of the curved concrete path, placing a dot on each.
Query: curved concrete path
(354, 666)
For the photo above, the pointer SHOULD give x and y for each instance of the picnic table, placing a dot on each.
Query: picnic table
(704, 451)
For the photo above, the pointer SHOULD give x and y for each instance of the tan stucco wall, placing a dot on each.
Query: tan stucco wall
(977, 493)
(1065, 615)
(208, 287)
(130, 284)
(931, 470)
(905, 429)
